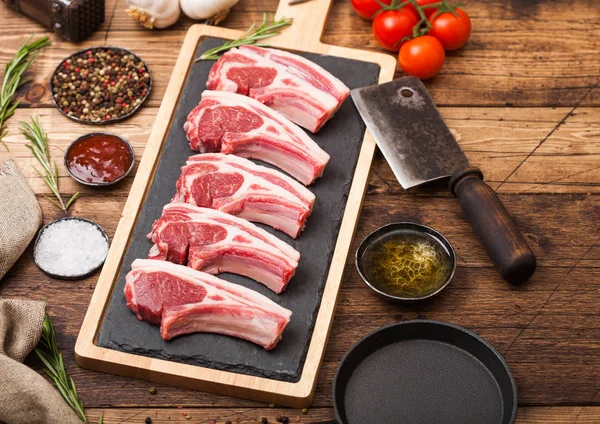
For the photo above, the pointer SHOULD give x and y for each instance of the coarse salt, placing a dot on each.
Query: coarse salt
(70, 248)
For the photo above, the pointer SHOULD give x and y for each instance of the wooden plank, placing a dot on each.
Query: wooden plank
(567, 157)
(538, 150)
(520, 53)
(545, 328)
(496, 314)
(560, 229)
(208, 415)
(540, 55)
(525, 415)
(61, 133)
(159, 50)
(497, 140)
(116, 20)
(240, 17)
(558, 414)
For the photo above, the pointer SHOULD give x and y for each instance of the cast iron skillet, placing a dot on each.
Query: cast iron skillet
(424, 372)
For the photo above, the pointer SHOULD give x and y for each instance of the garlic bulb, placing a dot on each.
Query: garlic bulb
(154, 13)
(212, 10)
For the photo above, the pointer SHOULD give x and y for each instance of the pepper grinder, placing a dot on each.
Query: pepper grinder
(73, 20)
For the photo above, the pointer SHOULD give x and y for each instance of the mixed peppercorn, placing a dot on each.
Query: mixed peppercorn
(100, 84)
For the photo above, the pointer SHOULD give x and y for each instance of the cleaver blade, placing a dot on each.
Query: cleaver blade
(409, 131)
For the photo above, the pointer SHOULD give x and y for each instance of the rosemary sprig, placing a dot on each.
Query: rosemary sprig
(13, 79)
(48, 353)
(39, 147)
(252, 36)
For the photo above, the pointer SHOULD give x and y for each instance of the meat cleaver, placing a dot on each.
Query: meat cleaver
(419, 148)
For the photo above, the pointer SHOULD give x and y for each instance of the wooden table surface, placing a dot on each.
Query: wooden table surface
(522, 98)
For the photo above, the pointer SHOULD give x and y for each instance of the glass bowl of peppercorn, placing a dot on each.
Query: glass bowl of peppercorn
(100, 85)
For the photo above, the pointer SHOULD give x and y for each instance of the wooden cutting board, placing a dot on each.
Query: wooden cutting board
(93, 348)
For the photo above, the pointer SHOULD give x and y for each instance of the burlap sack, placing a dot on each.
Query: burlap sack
(20, 215)
(25, 396)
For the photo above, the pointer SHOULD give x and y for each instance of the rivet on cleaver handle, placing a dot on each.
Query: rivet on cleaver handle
(419, 148)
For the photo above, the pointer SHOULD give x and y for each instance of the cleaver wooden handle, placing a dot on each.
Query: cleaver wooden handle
(494, 227)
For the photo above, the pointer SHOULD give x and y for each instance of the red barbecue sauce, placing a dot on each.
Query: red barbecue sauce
(99, 158)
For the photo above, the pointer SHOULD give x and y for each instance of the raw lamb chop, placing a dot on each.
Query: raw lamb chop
(239, 187)
(245, 72)
(215, 242)
(231, 123)
(182, 300)
(305, 69)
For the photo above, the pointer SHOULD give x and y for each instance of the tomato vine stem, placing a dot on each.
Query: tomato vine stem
(424, 25)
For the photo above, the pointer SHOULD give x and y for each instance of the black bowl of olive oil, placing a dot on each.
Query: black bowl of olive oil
(405, 261)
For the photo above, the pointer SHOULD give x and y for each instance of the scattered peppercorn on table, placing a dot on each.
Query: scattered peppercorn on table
(523, 101)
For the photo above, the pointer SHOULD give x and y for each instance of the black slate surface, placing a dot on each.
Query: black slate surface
(341, 137)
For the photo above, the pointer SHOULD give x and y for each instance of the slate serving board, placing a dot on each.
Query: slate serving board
(341, 137)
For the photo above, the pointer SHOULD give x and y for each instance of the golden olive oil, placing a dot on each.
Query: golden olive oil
(407, 263)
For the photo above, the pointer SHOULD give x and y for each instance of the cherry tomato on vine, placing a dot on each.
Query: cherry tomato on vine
(428, 11)
(367, 8)
(422, 57)
(452, 31)
(391, 26)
